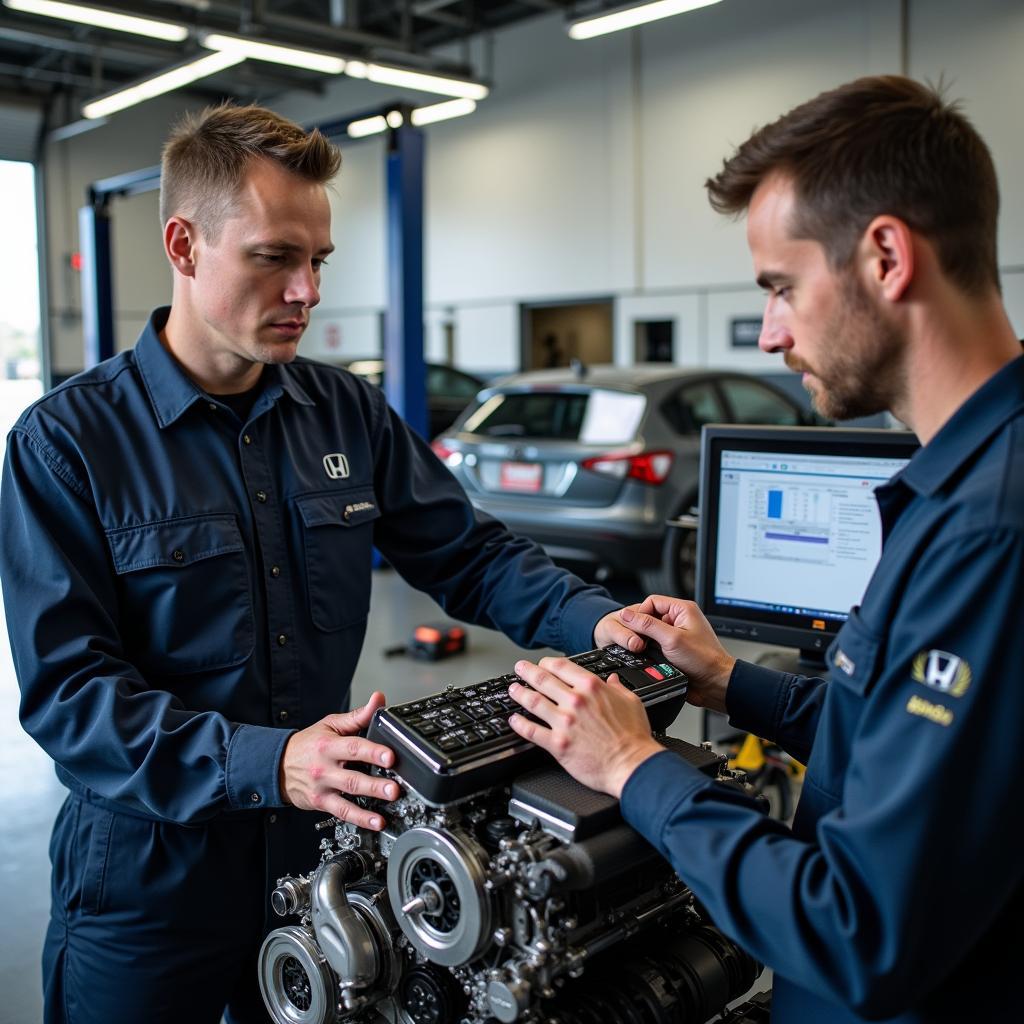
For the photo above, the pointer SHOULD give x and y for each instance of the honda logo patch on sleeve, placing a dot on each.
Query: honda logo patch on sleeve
(942, 671)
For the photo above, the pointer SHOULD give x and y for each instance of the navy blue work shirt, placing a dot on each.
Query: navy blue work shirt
(184, 589)
(897, 895)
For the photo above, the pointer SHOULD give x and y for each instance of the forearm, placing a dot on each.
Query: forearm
(143, 750)
(842, 915)
(713, 693)
(776, 706)
(469, 562)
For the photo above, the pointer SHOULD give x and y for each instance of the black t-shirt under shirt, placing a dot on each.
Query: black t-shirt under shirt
(241, 403)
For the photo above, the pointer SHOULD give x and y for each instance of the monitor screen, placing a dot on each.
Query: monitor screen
(789, 528)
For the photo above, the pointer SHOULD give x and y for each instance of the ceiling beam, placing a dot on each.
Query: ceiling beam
(86, 44)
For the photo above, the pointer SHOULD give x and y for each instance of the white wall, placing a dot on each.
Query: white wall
(582, 174)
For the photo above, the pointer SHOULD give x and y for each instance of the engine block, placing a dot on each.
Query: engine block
(528, 902)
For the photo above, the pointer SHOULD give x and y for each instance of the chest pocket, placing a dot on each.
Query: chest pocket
(854, 654)
(186, 604)
(338, 540)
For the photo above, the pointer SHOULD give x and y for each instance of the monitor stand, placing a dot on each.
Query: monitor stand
(802, 663)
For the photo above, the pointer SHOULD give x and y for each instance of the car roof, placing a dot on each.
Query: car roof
(637, 375)
(376, 365)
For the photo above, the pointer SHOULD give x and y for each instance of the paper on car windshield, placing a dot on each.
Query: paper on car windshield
(612, 417)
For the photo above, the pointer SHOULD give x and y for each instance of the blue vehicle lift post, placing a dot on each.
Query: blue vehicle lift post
(405, 380)
(94, 241)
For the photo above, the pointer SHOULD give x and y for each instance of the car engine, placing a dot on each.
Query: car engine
(528, 902)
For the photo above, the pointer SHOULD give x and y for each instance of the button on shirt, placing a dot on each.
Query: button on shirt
(179, 583)
(898, 893)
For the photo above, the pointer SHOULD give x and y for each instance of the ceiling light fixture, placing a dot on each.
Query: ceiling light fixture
(367, 126)
(386, 74)
(630, 17)
(309, 59)
(442, 111)
(166, 81)
(419, 116)
(101, 18)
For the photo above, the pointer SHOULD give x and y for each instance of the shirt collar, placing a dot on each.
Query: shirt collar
(999, 400)
(285, 375)
(172, 391)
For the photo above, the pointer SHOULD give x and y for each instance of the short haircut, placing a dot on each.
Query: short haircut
(878, 145)
(207, 155)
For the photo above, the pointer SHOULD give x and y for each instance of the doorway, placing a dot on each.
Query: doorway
(20, 351)
(654, 341)
(554, 334)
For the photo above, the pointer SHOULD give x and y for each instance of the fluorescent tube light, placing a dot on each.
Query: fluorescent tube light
(630, 17)
(420, 116)
(402, 77)
(101, 18)
(385, 74)
(295, 58)
(367, 126)
(169, 80)
(442, 111)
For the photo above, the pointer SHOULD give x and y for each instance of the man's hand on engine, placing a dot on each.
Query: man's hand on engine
(688, 642)
(314, 776)
(611, 630)
(597, 731)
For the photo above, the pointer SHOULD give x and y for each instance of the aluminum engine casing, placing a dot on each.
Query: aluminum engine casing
(533, 901)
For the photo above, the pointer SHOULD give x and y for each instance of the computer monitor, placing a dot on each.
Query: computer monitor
(789, 529)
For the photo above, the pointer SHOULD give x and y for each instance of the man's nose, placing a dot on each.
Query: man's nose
(303, 288)
(775, 335)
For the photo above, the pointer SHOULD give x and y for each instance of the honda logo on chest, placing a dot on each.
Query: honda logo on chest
(336, 466)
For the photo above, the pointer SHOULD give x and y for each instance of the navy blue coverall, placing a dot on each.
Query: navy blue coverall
(183, 590)
(898, 893)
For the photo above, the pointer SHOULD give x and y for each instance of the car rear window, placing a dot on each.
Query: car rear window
(596, 416)
(754, 403)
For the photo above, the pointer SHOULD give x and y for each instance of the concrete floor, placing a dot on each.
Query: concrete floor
(30, 794)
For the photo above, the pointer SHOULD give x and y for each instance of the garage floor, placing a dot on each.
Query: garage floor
(30, 794)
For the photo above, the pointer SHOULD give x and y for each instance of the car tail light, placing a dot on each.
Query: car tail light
(449, 456)
(647, 467)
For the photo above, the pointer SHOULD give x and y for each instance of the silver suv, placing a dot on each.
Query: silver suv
(593, 462)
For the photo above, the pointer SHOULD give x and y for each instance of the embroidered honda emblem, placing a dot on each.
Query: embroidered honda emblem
(336, 466)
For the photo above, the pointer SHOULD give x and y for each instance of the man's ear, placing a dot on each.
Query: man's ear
(888, 257)
(180, 238)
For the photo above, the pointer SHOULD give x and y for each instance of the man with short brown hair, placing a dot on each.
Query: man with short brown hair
(186, 536)
(871, 218)
(207, 154)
